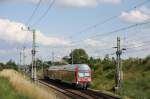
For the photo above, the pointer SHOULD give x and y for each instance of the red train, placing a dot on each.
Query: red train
(76, 74)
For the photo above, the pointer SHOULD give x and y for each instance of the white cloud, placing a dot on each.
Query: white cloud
(135, 45)
(94, 43)
(10, 31)
(76, 3)
(71, 3)
(135, 16)
(84, 3)
(41, 38)
(145, 9)
(91, 42)
(110, 1)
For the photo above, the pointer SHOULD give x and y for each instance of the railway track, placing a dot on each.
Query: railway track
(73, 93)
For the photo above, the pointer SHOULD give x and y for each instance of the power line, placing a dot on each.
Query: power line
(145, 49)
(142, 3)
(45, 13)
(144, 44)
(95, 25)
(34, 11)
(109, 19)
(135, 40)
(115, 31)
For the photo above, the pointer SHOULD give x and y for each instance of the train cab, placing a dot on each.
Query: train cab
(83, 75)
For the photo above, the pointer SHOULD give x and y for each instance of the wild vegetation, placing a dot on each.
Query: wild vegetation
(20, 87)
(136, 73)
(9, 65)
(8, 92)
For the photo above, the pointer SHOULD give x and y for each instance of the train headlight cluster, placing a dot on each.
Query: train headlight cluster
(83, 79)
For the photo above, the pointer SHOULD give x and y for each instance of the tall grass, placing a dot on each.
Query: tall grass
(136, 86)
(8, 92)
(22, 85)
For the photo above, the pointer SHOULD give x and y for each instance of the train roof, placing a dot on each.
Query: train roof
(70, 67)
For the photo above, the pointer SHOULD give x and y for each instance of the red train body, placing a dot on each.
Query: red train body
(76, 74)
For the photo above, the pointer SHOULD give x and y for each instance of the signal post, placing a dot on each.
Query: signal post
(118, 71)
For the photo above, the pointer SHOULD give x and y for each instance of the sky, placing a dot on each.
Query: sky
(70, 24)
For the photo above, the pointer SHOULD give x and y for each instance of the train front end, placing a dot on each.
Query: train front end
(83, 75)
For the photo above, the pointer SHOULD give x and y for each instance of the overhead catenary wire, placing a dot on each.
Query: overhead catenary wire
(33, 13)
(130, 48)
(109, 19)
(128, 27)
(103, 23)
(112, 18)
(51, 4)
(144, 44)
(139, 50)
(125, 28)
(36, 23)
(115, 31)
(135, 38)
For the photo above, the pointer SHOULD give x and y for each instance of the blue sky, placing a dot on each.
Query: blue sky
(63, 23)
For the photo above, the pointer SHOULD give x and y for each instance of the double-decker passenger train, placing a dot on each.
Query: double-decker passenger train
(76, 74)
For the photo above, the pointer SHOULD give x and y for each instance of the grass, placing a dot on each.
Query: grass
(8, 92)
(136, 89)
(137, 86)
(23, 86)
(40, 74)
(136, 83)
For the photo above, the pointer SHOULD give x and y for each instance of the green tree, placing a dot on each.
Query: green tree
(79, 56)
(39, 63)
(11, 65)
(66, 59)
(1, 66)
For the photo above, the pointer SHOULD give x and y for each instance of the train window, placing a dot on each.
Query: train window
(81, 74)
(84, 74)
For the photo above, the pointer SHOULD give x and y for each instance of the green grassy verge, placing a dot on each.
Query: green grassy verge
(8, 92)
(136, 83)
(137, 87)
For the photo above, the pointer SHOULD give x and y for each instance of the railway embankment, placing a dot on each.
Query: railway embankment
(18, 86)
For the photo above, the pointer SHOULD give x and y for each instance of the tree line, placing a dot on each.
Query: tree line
(80, 56)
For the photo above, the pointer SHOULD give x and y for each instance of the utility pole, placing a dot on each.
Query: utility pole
(72, 56)
(53, 57)
(33, 52)
(42, 65)
(118, 73)
(24, 56)
(33, 57)
(20, 56)
(18, 61)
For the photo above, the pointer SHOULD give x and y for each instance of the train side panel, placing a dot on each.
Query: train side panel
(68, 76)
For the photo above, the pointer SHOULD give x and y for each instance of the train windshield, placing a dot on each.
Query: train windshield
(84, 70)
(82, 74)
